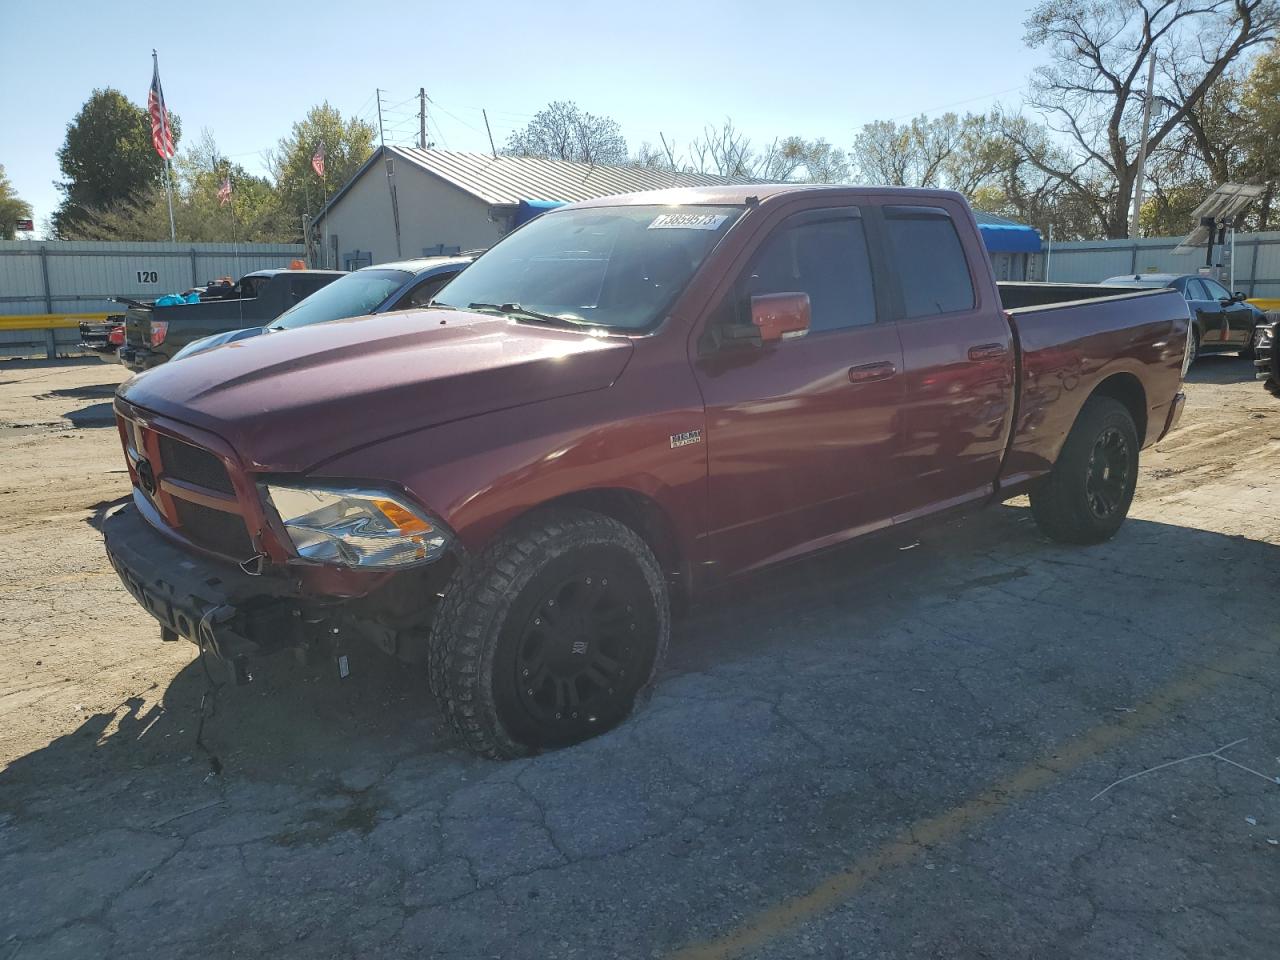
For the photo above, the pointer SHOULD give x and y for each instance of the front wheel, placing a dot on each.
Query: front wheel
(1087, 494)
(547, 638)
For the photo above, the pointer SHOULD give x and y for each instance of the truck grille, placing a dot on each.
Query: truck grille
(190, 487)
(215, 529)
(182, 461)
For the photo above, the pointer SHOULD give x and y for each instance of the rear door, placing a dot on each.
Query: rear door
(959, 358)
(801, 434)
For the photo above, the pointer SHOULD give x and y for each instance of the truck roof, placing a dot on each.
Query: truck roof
(738, 194)
(271, 272)
(417, 265)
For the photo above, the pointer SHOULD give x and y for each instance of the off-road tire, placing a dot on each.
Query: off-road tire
(1062, 504)
(476, 635)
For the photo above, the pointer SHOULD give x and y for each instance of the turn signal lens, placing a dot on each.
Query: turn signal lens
(407, 523)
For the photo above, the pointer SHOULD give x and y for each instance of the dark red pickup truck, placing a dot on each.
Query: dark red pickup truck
(625, 400)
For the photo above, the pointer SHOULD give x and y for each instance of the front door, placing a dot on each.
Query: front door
(801, 433)
(959, 362)
(1237, 317)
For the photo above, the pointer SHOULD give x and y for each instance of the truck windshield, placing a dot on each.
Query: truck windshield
(350, 296)
(616, 267)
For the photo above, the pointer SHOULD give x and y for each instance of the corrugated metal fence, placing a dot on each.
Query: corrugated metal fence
(50, 276)
(1257, 261)
(46, 286)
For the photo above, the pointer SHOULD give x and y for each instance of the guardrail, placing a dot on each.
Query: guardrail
(52, 334)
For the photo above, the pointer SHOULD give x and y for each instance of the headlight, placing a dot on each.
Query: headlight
(356, 528)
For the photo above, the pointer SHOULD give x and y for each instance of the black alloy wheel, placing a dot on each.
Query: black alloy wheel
(576, 653)
(1108, 476)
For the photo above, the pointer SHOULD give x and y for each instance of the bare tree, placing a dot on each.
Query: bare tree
(723, 150)
(1092, 92)
(563, 131)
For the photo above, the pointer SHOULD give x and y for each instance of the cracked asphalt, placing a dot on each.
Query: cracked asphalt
(889, 751)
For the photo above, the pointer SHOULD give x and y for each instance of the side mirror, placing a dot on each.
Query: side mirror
(780, 315)
(1238, 297)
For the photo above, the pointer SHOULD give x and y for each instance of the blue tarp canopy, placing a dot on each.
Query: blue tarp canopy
(526, 210)
(1006, 236)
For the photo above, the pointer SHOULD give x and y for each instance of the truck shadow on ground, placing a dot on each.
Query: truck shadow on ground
(808, 712)
(1221, 368)
(295, 721)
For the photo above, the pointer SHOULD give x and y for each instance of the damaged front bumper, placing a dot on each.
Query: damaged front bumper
(216, 605)
(234, 615)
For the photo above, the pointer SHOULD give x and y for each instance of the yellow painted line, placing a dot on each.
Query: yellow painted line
(45, 321)
(917, 838)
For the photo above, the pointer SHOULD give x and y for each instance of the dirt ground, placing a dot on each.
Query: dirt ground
(885, 752)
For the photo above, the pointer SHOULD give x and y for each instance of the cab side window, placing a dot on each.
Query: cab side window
(424, 293)
(823, 254)
(930, 261)
(1216, 290)
(1196, 290)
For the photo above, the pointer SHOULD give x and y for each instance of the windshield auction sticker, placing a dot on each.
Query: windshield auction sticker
(688, 221)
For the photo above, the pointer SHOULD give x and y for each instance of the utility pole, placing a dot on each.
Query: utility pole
(492, 149)
(1142, 148)
(422, 118)
(391, 177)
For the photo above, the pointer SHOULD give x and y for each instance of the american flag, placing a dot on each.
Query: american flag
(161, 133)
(317, 161)
(224, 191)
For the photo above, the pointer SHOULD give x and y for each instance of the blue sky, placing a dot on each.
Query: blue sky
(246, 71)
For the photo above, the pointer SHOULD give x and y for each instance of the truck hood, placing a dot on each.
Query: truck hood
(291, 400)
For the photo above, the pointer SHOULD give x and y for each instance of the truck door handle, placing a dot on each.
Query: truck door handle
(870, 372)
(987, 351)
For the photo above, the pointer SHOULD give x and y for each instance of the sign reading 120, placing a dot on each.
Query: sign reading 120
(148, 276)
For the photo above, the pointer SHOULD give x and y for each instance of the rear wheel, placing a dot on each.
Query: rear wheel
(548, 637)
(1087, 494)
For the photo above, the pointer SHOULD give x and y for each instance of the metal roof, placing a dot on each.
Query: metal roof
(505, 180)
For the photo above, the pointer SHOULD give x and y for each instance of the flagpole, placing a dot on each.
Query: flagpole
(324, 230)
(168, 180)
(168, 189)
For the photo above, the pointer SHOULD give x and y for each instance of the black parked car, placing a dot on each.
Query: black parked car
(1221, 321)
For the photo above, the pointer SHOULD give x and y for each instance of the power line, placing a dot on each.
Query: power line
(957, 103)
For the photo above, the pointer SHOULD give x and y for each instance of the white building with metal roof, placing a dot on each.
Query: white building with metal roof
(406, 202)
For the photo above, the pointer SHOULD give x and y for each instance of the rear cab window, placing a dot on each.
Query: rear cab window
(929, 260)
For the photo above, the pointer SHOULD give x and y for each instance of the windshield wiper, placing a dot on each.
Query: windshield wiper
(515, 310)
(441, 305)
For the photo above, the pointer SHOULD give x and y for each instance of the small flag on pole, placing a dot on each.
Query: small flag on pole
(161, 132)
(224, 191)
(317, 161)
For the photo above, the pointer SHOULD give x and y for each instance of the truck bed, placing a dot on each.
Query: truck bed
(1072, 337)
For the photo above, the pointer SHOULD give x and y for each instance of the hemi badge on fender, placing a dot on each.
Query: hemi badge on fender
(686, 438)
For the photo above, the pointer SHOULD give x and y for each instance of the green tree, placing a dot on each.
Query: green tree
(347, 144)
(107, 158)
(1260, 116)
(253, 214)
(12, 207)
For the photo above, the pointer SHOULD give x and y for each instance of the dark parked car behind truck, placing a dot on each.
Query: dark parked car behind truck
(154, 334)
(627, 399)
